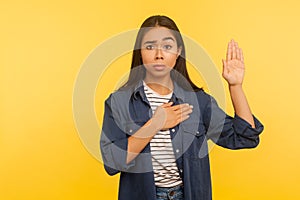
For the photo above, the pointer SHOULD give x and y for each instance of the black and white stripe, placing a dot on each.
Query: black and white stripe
(163, 159)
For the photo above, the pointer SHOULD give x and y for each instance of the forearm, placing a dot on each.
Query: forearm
(240, 103)
(138, 141)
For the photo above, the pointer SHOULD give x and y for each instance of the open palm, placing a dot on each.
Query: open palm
(233, 66)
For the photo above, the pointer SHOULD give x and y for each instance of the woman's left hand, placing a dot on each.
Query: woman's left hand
(233, 66)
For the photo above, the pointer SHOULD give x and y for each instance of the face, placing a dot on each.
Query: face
(159, 51)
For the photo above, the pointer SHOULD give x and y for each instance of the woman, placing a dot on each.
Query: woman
(156, 125)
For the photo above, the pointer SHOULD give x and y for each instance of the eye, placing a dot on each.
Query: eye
(167, 47)
(150, 47)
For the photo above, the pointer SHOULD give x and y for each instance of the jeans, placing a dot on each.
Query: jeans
(173, 193)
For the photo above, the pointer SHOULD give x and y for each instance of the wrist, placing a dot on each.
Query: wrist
(235, 86)
(155, 123)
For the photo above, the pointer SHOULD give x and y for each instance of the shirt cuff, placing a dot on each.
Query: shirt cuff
(119, 152)
(245, 128)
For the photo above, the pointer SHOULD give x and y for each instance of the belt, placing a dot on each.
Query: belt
(170, 190)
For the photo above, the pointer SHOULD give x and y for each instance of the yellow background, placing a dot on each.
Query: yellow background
(42, 46)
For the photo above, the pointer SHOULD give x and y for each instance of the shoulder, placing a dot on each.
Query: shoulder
(199, 99)
(119, 97)
(203, 97)
(206, 101)
(120, 94)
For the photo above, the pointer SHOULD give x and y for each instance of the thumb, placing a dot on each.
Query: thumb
(224, 66)
(167, 104)
(224, 62)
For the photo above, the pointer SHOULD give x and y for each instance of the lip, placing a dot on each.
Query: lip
(159, 67)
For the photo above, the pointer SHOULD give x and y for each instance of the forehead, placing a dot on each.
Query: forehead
(158, 33)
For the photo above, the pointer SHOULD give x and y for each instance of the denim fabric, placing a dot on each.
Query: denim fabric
(126, 111)
(173, 193)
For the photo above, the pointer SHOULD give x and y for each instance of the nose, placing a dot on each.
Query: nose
(159, 54)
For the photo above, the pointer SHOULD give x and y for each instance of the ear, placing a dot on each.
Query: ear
(179, 51)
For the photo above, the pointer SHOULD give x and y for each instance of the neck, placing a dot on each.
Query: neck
(160, 85)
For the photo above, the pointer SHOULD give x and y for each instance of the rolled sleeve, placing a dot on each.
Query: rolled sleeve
(230, 132)
(244, 128)
(113, 144)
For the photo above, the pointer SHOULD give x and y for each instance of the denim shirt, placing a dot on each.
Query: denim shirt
(127, 111)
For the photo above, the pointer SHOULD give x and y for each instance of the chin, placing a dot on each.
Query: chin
(158, 74)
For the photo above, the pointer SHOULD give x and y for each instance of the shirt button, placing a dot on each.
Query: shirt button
(172, 193)
(180, 170)
(173, 130)
(177, 150)
(130, 130)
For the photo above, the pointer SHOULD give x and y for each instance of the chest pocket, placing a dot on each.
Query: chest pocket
(195, 141)
(131, 127)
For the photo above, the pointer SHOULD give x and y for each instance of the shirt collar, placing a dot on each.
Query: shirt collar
(178, 92)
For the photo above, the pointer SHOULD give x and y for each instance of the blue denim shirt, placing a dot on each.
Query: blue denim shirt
(126, 111)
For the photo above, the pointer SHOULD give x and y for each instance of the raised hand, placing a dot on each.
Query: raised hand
(233, 66)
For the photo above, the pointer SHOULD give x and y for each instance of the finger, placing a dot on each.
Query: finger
(224, 63)
(242, 56)
(181, 119)
(182, 113)
(238, 53)
(186, 112)
(176, 107)
(225, 68)
(233, 50)
(180, 106)
(182, 110)
(167, 104)
(185, 106)
(229, 51)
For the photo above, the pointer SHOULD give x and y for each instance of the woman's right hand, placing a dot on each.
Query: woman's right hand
(167, 116)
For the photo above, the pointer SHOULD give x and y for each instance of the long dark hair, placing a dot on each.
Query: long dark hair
(138, 71)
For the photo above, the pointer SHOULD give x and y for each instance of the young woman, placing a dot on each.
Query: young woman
(156, 126)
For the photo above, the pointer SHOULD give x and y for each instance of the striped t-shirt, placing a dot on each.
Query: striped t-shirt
(163, 159)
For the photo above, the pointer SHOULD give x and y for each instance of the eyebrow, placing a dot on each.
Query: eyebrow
(154, 41)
